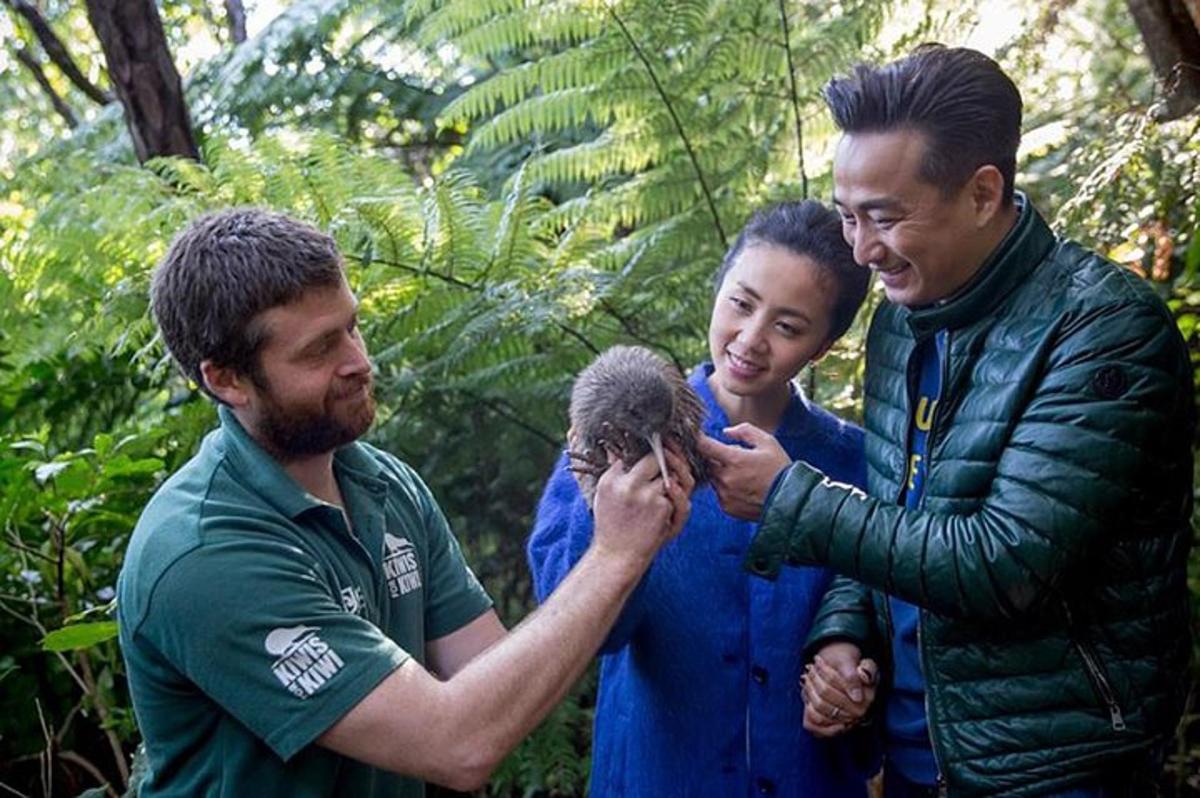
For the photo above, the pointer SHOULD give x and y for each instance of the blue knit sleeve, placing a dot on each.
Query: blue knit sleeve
(562, 532)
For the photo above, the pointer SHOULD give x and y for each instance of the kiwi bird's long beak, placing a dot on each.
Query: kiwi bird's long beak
(657, 447)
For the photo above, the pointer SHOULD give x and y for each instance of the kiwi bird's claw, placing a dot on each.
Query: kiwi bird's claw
(587, 462)
(586, 469)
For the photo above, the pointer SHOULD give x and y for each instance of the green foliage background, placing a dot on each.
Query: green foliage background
(516, 186)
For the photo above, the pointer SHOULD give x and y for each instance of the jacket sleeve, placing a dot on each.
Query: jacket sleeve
(846, 613)
(1078, 459)
(562, 532)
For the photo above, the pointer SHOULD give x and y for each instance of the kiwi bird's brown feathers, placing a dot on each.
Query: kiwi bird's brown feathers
(626, 396)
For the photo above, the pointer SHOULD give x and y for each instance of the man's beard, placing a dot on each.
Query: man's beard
(292, 434)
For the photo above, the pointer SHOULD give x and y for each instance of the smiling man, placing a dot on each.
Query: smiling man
(296, 617)
(1019, 561)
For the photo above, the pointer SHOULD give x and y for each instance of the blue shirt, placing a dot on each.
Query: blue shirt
(907, 742)
(699, 679)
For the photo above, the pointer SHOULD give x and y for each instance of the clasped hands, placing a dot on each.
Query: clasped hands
(838, 689)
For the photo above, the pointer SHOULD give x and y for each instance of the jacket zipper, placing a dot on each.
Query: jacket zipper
(1097, 675)
(943, 368)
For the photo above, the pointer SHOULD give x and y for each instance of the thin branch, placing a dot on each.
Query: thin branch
(422, 272)
(60, 539)
(787, 48)
(474, 288)
(35, 621)
(92, 770)
(578, 336)
(19, 546)
(687, 144)
(15, 597)
(46, 758)
(19, 617)
(235, 14)
(632, 331)
(497, 407)
(12, 790)
(114, 742)
(57, 51)
(39, 76)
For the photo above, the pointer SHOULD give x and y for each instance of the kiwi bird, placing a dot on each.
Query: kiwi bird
(630, 401)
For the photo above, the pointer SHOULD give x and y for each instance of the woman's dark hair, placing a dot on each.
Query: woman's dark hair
(812, 230)
(962, 102)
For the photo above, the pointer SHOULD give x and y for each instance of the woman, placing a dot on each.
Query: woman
(699, 679)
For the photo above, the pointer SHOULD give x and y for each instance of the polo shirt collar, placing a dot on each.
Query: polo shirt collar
(261, 472)
(1006, 268)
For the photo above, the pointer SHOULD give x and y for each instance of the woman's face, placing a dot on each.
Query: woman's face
(772, 315)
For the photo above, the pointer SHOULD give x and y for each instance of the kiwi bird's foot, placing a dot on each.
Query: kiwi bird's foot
(585, 463)
(590, 470)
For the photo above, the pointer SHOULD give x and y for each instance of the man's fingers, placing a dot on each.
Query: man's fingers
(680, 470)
(681, 506)
(831, 674)
(645, 469)
(868, 671)
(827, 699)
(747, 433)
(713, 450)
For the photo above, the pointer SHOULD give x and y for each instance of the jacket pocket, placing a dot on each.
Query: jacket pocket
(1098, 676)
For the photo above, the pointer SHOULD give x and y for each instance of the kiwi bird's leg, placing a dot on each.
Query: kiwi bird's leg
(657, 447)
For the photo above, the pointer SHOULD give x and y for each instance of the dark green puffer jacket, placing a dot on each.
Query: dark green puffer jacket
(1049, 553)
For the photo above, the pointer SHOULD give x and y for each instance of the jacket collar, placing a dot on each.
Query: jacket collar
(1007, 267)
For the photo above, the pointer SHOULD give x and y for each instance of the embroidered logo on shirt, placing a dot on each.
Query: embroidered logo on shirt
(400, 565)
(303, 661)
(353, 601)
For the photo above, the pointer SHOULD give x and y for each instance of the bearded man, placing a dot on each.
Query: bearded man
(296, 617)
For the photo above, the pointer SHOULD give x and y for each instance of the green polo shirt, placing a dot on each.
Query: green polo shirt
(252, 618)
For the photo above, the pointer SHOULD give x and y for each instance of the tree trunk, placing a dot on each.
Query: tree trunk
(31, 63)
(235, 13)
(1171, 31)
(144, 76)
(56, 50)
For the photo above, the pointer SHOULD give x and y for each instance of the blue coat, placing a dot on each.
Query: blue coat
(699, 679)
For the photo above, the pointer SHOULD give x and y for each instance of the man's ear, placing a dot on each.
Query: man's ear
(225, 383)
(987, 194)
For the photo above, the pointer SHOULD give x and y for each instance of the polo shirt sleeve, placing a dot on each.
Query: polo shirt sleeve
(454, 596)
(251, 622)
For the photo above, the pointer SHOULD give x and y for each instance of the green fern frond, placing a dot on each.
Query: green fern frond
(550, 24)
(552, 112)
(454, 19)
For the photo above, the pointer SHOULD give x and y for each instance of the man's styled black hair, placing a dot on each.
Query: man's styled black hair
(809, 229)
(967, 108)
